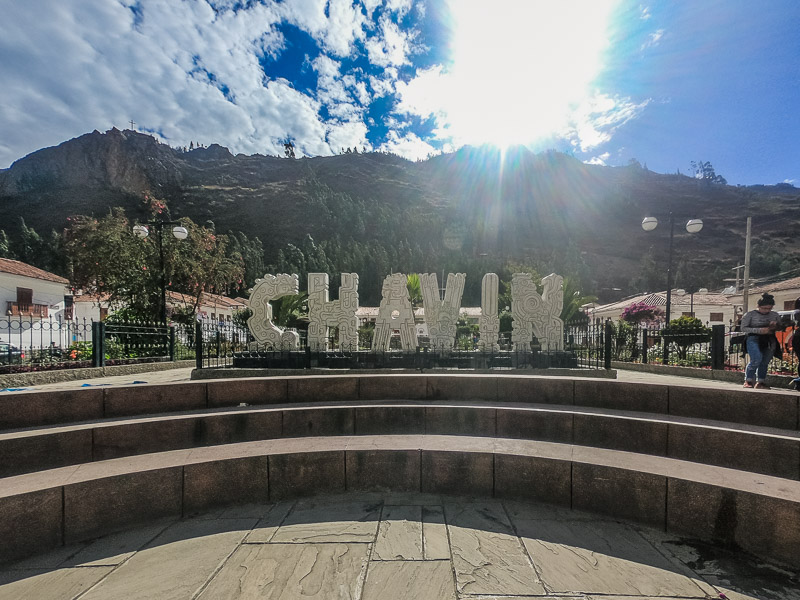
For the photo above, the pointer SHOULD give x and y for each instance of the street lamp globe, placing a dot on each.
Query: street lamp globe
(649, 223)
(180, 232)
(140, 231)
(694, 225)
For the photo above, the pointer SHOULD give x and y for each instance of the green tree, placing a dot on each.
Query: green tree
(240, 317)
(414, 289)
(291, 310)
(574, 298)
(109, 260)
(5, 246)
(649, 278)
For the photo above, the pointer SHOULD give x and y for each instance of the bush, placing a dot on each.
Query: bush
(640, 312)
(79, 351)
(685, 332)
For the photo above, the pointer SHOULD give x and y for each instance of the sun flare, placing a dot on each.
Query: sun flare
(521, 67)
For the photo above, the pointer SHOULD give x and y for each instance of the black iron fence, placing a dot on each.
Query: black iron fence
(32, 344)
(227, 345)
(710, 347)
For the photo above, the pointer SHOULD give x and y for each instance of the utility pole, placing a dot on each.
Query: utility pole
(133, 124)
(738, 279)
(746, 291)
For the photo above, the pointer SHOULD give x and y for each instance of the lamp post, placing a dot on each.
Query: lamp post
(692, 226)
(178, 232)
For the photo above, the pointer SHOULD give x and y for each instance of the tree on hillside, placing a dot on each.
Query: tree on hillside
(288, 150)
(5, 245)
(649, 278)
(705, 170)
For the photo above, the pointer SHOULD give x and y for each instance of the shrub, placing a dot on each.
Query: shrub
(641, 312)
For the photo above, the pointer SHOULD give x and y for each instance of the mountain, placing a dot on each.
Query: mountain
(477, 204)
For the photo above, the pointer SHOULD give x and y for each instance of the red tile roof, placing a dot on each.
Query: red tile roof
(16, 267)
(207, 299)
(779, 286)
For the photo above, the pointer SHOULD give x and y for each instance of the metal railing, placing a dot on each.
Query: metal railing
(227, 345)
(31, 344)
(710, 347)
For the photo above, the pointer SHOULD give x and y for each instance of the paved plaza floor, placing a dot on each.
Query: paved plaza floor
(384, 547)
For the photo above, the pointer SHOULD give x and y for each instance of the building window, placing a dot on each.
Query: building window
(788, 305)
(24, 296)
(716, 317)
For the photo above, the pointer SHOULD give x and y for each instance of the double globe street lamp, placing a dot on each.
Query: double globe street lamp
(692, 226)
(178, 232)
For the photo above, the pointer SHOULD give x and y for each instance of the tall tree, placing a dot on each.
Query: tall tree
(108, 259)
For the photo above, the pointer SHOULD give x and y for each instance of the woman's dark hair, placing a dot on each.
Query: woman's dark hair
(766, 300)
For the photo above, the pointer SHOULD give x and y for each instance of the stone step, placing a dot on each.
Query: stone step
(768, 408)
(759, 449)
(43, 510)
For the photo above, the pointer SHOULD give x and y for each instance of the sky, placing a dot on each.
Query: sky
(608, 81)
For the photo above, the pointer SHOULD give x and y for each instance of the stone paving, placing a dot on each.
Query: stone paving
(386, 547)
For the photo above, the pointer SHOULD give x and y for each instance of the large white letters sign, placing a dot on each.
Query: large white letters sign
(266, 334)
(537, 315)
(489, 321)
(532, 314)
(395, 312)
(442, 315)
(340, 313)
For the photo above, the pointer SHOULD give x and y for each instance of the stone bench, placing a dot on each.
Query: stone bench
(763, 450)
(768, 408)
(759, 513)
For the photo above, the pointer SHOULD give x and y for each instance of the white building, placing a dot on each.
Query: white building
(212, 307)
(785, 293)
(711, 309)
(35, 304)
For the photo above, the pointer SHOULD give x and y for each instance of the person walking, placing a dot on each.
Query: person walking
(760, 326)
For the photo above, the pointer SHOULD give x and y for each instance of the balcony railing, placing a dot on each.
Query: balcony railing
(17, 309)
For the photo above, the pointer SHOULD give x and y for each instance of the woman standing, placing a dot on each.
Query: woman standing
(760, 326)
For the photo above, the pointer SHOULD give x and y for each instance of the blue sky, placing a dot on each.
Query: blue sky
(664, 83)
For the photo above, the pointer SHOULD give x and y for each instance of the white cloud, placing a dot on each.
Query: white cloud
(653, 39)
(92, 65)
(598, 160)
(644, 15)
(409, 146)
(392, 47)
(594, 122)
(193, 71)
(347, 135)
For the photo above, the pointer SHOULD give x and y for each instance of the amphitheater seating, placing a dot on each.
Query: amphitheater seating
(717, 464)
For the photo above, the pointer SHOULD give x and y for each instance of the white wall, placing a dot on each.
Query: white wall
(33, 332)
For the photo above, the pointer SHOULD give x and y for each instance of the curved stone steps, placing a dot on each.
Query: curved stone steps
(759, 449)
(758, 512)
(768, 408)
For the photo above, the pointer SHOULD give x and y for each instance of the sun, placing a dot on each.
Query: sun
(520, 67)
